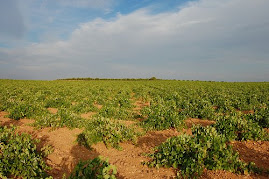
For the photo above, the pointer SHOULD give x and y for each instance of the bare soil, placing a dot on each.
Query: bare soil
(140, 104)
(194, 121)
(99, 106)
(248, 112)
(253, 151)
(88, 115)
(53, 110)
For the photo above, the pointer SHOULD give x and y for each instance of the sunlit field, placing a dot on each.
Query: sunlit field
(133, 129)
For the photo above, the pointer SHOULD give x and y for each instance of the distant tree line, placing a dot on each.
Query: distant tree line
(128, 79)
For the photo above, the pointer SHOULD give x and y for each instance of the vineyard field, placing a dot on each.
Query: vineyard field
(134, 129)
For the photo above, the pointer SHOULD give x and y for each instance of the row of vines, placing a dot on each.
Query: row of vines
(240, 112)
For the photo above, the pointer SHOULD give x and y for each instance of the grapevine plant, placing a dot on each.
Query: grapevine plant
(97, 168)
(191, 154)
(260, 116)
(235, 127)
(111, 132)
(161, 117)
(19, 157)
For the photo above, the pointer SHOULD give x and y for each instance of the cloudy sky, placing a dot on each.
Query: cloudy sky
(172, 39)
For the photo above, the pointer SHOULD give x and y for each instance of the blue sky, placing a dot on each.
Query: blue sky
(60, 18)
(172, 39)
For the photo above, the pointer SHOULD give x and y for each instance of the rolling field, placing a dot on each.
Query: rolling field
(133, 129)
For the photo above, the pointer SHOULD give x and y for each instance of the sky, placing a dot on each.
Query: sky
(219, 40)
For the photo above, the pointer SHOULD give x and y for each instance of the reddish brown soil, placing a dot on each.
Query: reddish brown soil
(140, 104)
(53, 110)
(248, 112)
(255, 151)
(222, 174)
(194, 121)
(88, 115)
(127, 123)
(74, 103)
(99, 106)
(128, 161)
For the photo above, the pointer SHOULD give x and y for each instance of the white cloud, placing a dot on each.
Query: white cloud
(207, 40)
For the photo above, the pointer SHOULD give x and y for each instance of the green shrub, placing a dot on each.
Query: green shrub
(18, 155)
(63, 118)
(234, 127)
(110, 111)
(94, 169)
(68, 119)
(57, 102)
(153, 78)
(161, 117)
(22, 110)
(199, 108)
(83, 107)
(261, 116)
(191, 154)
(111, 132)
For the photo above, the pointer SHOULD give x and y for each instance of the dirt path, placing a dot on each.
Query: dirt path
(128, 161)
